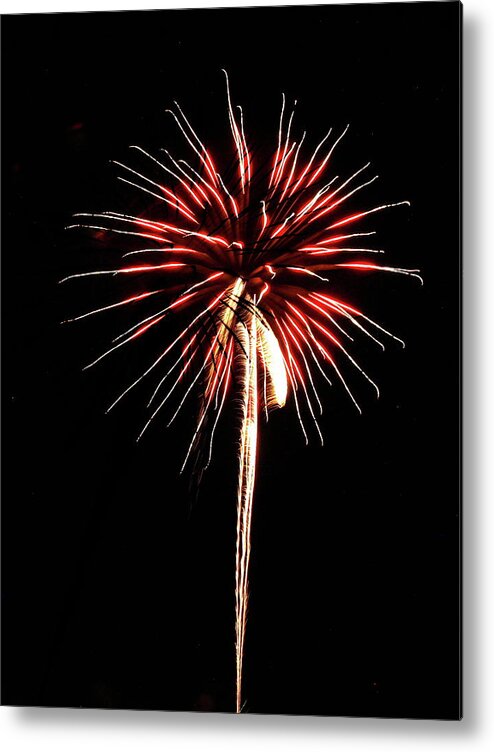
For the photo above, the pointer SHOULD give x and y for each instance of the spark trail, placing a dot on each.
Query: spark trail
(241, 260)
(245, 494)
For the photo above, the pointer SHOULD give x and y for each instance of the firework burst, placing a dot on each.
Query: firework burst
(242, 254)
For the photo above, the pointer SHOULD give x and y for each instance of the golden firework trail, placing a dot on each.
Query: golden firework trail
(245, 493)
(242, 262)
(257, 340)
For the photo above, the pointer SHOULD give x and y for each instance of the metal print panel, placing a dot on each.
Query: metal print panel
(231, 297)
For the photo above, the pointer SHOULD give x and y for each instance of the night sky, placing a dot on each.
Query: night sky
(117, 579)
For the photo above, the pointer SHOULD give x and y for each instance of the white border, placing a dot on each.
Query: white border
(59, 6)
(43, 730)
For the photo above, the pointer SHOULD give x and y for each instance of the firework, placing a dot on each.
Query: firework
(242, 254)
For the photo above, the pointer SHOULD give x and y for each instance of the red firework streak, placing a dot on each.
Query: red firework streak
(245, 259)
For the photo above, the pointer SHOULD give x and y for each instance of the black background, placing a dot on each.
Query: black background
(118, 591)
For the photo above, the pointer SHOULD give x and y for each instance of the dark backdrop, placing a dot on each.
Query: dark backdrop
(118, 591)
